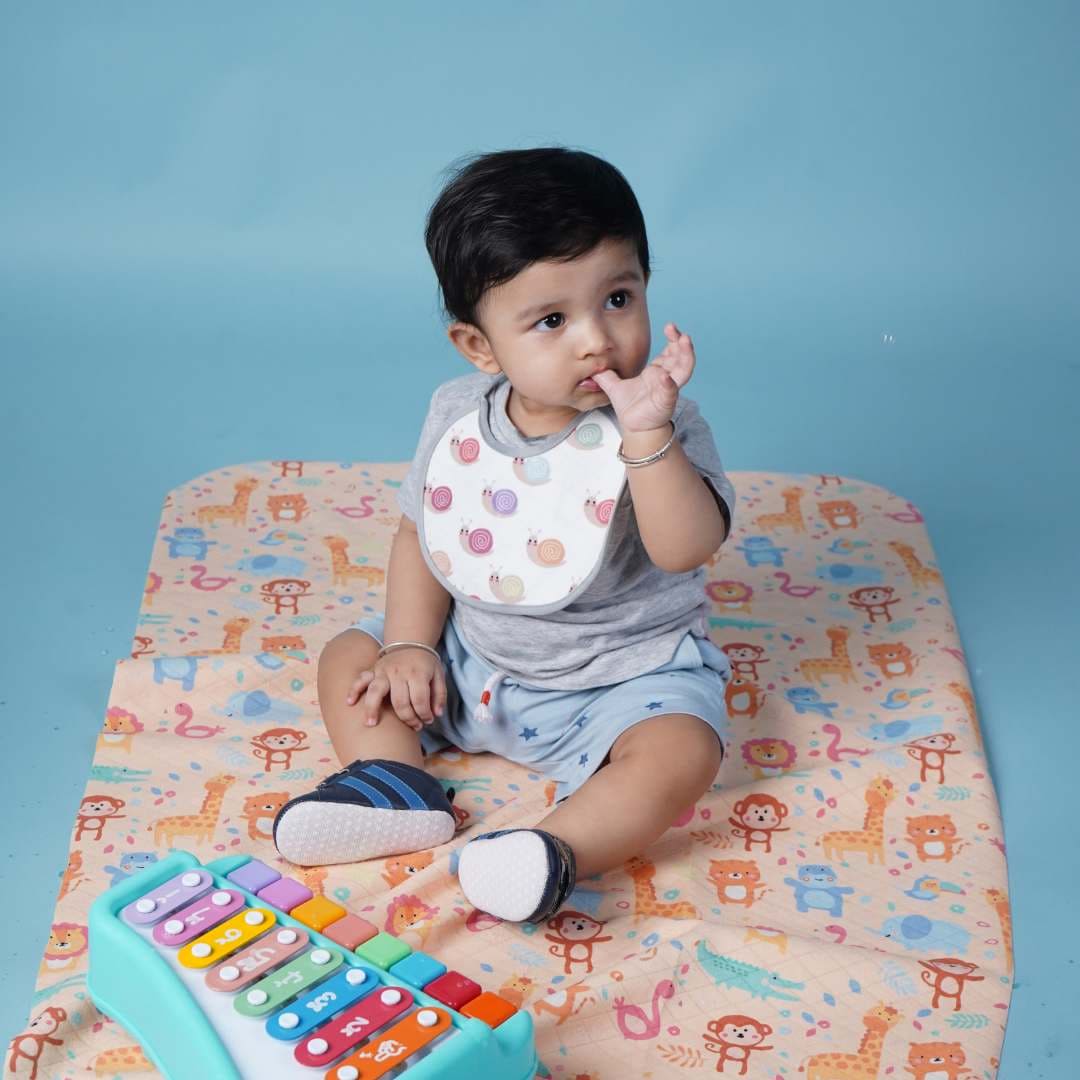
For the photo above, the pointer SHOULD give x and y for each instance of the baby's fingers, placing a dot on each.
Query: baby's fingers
(422, 692)
(373, 699)
(359, 685)
(438, 688)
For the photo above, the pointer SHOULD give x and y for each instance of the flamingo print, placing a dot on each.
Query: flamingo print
(193, 731)
(207, 584)
(362, 511)
(910, 516)
(834, 749)
(632, 1019)
(800, 592)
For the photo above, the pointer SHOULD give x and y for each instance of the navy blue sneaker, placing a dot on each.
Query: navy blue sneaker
(520, 875)
(369, 810)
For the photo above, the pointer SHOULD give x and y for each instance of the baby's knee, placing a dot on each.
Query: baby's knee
(707, 753)
(681, 743)
(351, 651)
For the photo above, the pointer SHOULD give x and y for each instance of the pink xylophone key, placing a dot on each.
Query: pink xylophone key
(197, 918)
(257, 959)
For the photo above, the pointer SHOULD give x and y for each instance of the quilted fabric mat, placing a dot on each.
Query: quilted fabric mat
(835, 906)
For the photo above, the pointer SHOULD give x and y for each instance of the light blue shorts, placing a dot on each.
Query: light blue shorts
(566, 734)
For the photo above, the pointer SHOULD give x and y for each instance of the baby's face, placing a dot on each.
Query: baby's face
(555, 324)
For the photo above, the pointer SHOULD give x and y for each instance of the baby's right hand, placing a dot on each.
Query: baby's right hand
(416, 683)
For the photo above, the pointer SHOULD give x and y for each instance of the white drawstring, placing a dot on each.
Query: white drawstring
(482, 713)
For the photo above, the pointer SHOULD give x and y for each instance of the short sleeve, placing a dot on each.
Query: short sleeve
(410, 494)
(695, 437)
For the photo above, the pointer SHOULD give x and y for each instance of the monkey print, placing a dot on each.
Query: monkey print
(756, 818)
(575, 937)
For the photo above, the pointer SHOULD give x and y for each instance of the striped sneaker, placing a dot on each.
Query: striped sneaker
(370, 809)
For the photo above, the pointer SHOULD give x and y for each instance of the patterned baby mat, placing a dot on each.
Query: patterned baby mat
(835, 906)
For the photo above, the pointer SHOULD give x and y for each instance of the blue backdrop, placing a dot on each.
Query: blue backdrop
(864, 213)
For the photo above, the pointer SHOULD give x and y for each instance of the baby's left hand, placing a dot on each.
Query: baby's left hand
(648, 401)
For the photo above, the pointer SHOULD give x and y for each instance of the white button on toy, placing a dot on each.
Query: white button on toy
(201, 950)
(348, 1072)
(174, 926)
(320, 956)
(286, 937)
(355, 976)
(427, 1018)
(257, 997)
(253, 918)
(221, 899)
(390, 996)
(229, 973)
(317, 1046)
(288, 1020)
(145, 905)
(191, 880)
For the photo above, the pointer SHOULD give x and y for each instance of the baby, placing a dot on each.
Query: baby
(571, 461)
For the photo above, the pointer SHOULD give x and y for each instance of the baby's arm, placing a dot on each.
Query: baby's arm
(416, 608)
(677, 515)
(416, 604)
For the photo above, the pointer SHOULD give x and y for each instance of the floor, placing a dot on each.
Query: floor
(866, 222)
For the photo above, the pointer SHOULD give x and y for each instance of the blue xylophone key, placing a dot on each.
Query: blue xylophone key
(317, 1006)
(418, 969)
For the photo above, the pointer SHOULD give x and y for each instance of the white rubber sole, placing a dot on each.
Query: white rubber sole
(506, 875)
(317, 833)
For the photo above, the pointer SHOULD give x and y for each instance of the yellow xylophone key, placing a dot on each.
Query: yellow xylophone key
(226, 937)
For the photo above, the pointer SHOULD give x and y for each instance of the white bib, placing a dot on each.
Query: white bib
(520, 534)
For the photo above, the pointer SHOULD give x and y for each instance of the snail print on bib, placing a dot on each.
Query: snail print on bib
(524, 533)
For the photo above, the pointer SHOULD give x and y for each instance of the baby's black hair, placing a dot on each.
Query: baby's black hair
(504, 210)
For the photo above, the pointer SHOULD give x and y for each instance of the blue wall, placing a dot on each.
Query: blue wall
(864, 213)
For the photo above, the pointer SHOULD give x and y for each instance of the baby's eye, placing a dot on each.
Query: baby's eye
(559, 315)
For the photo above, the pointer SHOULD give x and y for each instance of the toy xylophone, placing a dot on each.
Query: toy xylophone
(231, 970)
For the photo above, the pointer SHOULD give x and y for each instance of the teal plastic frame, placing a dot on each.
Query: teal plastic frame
(183, 1045)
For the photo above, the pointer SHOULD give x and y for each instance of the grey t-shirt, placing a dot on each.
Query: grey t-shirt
(631, 617)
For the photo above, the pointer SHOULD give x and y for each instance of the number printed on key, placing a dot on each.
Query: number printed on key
(322, 1001)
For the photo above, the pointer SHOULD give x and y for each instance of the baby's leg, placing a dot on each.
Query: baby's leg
(657, 768)
(382, 802)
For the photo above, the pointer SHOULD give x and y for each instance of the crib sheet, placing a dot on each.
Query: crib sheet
(836, 905)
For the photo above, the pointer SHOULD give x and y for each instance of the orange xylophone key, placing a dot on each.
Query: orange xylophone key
(388, 1050)
(490, 1008)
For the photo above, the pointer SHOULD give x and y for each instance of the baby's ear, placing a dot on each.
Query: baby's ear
(473, 345)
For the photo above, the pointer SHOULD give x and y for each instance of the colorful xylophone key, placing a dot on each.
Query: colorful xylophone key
(232, 970)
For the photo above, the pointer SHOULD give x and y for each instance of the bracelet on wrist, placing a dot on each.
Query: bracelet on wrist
(635, 463)
(390, 646)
